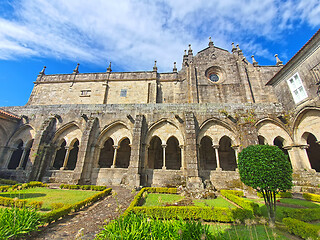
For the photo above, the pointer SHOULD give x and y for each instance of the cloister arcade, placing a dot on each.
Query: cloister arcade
(164, 148)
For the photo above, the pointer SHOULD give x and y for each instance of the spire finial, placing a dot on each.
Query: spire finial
(233, 47)
(279, 63)
(239, 50)
(155, 66)
(254, 62)
(109, 68)
(210, 42)
(76, 70)
(185, 52)
(190, 50)
(42, 71)
(174, 67)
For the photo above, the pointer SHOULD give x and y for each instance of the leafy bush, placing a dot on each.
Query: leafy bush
(83, 187)
(246, 204)
(302, 229)
(8, 202)
(15, 222)
(194, 213)
(306, 215)
(35, 205)
(139, 226)
(311, 197)
(266, 169)
(8, 181)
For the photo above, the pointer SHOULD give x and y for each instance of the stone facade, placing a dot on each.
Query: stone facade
(163, 129)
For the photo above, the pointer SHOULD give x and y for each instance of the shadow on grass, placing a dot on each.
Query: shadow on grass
(22, 195)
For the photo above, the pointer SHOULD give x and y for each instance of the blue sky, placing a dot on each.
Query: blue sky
(132, 34)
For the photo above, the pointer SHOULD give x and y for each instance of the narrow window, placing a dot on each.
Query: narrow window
(297, 90)
(123, 93)
(85, 93)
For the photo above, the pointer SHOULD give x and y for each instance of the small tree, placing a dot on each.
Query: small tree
(266, 169)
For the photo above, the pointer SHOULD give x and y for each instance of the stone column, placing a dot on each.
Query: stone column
(116, 147)
(216, 149)
(182, 157)
(22, 158)
(65, 162)
(164, 156)
(235, 148)
(146, 160)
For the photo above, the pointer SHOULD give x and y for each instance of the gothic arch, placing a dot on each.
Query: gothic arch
(117, 131)
(307, 120)
(270, 129)
(25, 133)
(215, 129)
(164, 129)
(68, 132)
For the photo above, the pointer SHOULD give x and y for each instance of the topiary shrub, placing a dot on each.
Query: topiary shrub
(302, 229)
(266, 169)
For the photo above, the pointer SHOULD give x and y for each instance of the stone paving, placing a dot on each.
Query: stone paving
(86, 223)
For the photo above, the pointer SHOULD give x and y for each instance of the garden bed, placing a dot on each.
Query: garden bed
(49, 197)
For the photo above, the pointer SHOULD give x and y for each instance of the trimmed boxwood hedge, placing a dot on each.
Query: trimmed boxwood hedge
(11, 202)
(246, 204)
(187, 212)
(22, 186)
(83, 187)
(311, 197)
(8, 181)
(56, 214)
(306, 215)
(302, 229)
(192, 212)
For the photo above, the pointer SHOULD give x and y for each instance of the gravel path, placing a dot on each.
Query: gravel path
(87, 222)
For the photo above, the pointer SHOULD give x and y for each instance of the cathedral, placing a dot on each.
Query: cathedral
(150, 128)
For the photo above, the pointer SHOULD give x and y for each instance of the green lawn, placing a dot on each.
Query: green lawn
(158, 199)
(292, 201)
(228, 231)
(49, 196)
(218, 202)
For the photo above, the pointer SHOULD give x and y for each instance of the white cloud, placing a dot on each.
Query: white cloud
(135, 33)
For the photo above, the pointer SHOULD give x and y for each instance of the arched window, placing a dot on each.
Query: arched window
(313, 152)
(155, 154)
(106, 154)
(123, 154)
(27, 154)
(227, 155)
(16, 155)
(278, 141)
(261, 140)
(60, 156)
(73, 156)
(173, 154)
(207, 154)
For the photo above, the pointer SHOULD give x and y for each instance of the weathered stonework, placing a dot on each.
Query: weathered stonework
(163, 129)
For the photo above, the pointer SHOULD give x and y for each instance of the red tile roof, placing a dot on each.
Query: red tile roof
(8, 114)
